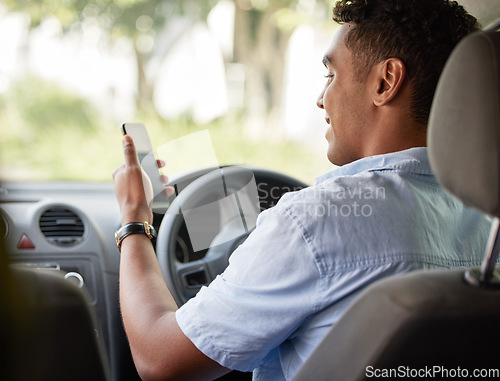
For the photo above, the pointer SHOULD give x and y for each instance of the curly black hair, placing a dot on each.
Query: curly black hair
(422, 33)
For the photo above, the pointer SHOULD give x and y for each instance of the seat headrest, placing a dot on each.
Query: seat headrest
(464, 124)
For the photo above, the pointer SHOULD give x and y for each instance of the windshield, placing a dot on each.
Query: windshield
(246, 72)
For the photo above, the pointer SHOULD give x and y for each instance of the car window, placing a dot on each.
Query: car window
(247, 72)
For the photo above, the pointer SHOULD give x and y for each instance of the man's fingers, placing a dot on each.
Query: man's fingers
(170, 191)
(129, 151)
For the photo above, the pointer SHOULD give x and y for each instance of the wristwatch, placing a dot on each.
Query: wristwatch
(134, 228)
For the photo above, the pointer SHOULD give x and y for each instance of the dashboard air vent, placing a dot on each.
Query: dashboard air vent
(62, 226)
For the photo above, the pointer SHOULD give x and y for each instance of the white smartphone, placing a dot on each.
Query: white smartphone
(147, 158)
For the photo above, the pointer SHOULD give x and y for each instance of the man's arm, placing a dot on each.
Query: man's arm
(159, 347)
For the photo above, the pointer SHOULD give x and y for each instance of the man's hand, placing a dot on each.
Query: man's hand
(163, 352)
(133, 188)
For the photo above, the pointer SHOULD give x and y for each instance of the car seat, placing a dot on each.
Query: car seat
(438, 324)
(49, 330)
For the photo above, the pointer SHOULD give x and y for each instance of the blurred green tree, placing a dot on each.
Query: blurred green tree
(139, 20)
(262, 32)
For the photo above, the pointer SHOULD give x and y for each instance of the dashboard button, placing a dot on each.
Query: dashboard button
(25, 243)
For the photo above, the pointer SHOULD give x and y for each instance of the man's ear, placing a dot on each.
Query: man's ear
(390, 75)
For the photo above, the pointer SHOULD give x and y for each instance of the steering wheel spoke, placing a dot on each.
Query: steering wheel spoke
(192, 276)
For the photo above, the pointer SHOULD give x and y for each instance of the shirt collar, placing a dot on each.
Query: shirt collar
(413, 160)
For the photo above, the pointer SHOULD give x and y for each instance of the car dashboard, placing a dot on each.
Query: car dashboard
(69, 227)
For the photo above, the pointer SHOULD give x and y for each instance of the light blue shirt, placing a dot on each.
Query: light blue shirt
(312, 254)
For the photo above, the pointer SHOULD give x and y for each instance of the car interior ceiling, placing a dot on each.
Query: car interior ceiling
(486, 11)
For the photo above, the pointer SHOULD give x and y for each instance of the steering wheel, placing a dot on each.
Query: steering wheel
(219, 211)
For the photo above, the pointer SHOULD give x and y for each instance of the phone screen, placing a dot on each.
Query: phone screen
(147, 158)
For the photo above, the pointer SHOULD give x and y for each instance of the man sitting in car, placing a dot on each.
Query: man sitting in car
(300, 269)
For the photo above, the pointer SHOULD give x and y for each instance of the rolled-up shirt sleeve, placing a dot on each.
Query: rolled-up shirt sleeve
(263, 296)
